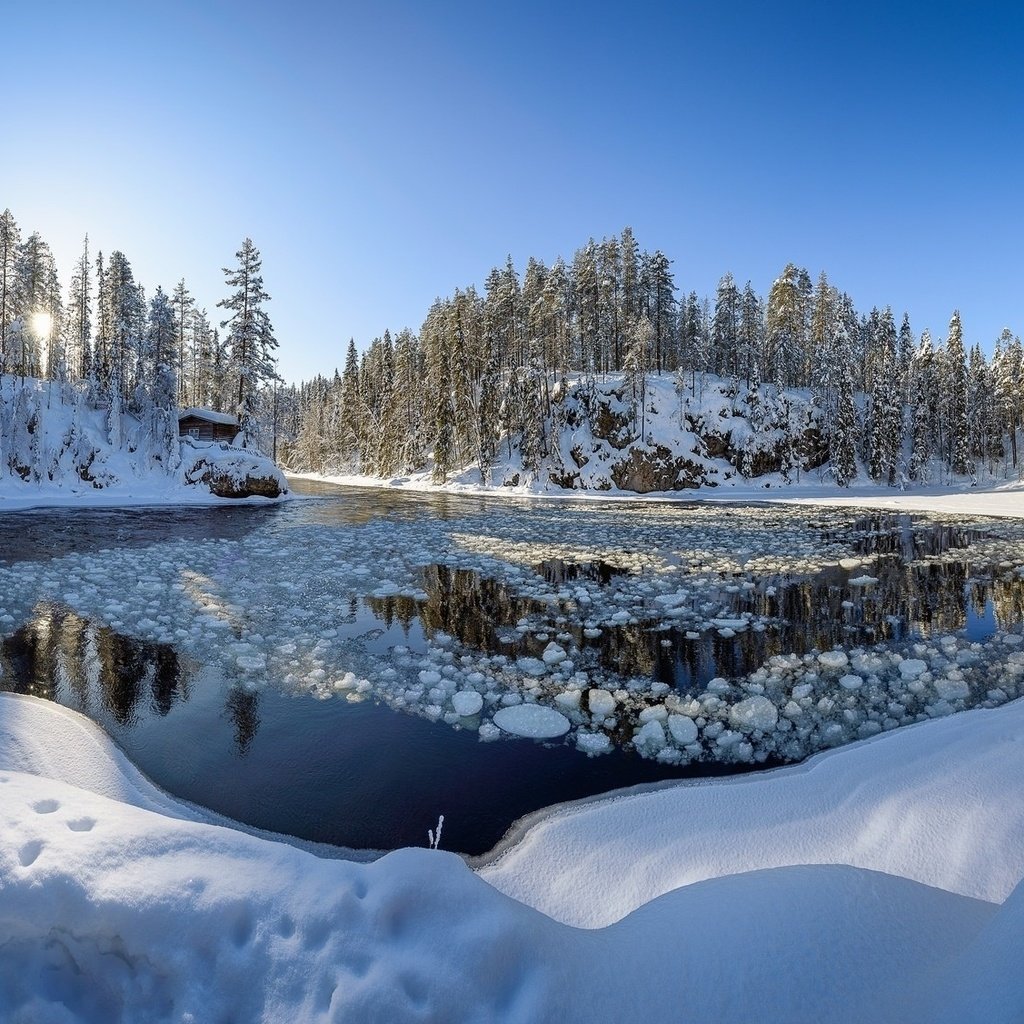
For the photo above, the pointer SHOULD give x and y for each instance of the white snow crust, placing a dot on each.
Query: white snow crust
(899, 856)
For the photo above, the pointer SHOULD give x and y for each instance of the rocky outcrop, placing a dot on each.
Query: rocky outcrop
(688, 441)
(655, 469)
(227, 485)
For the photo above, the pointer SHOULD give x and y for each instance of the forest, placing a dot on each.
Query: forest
(499, 368)
(515, 367)
(111, 347)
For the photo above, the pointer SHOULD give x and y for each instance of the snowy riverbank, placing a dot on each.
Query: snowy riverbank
(60, 449)
(874, 882)
(994, 499)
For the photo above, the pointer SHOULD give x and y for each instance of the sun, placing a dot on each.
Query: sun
(42, 324)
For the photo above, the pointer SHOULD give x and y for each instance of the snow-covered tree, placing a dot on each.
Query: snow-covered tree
(250, 335)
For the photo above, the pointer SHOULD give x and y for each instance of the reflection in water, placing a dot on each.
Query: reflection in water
(60, 656)
(910, 597)
(347, 772)
(900, 535)
(243, 708)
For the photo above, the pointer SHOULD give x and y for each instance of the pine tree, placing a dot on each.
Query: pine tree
(662, 312)
(123, 311)
(725, 327)
(78, 318)
(784, 328)
(751, 335)
(638, 360)
(11, 290)
(41, 306)
(921, 390)
(843, 448)
(955, 385)
(488, 420)
(250, 335)
(184, 311)
(1006, 372)
(886, 424)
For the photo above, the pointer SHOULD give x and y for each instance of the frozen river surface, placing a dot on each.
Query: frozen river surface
(347, 666)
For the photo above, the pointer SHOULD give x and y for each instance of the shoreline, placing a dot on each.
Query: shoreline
(1004, 500)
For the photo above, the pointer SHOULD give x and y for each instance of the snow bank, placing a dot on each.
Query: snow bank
(695, 447)
(57, 449)
(118, 912)
(940, 803)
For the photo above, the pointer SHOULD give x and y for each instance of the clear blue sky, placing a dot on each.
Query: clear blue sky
(381, 154)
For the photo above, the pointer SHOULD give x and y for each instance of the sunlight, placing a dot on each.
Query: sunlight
(42, 323)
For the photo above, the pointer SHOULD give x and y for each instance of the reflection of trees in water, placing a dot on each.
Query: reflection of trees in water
(243, 708)
(59, 655)
(818, 612)
(460, 602)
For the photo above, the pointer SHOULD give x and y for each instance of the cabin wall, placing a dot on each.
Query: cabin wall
(203, 430)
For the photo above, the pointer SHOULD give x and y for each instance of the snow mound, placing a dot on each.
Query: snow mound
(115, 912)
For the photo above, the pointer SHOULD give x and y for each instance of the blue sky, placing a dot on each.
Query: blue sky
(381, 154)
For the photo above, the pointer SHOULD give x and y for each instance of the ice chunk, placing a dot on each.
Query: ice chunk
(593, 742)
(531, 666)
(532, 721)
(553, 654)
(467, 702)
(683, 729)
(754, 713)
(863, 581)
(650, 737)
(833, 659)
(911, 668)
(851, 682)
(952, 689)
(600, 702)
(569, 699)
(656, 712)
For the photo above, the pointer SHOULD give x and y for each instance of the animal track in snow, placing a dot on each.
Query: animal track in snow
(29, 853)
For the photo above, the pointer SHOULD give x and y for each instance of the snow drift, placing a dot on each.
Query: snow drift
(120, 907)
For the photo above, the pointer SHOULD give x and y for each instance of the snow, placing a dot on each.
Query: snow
(532, 721)
(223, 418)
(73, 458)
(900, 856)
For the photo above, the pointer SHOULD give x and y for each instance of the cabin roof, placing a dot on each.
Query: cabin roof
(224, 418)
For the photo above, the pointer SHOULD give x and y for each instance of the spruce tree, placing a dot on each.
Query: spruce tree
(955, 384)
(250, 335)
(11, 290)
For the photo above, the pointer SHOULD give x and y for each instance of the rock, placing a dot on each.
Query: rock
(655, 469)
(231, 473)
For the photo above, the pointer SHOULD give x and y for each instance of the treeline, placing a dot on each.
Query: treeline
(106, 338)
(483, 371)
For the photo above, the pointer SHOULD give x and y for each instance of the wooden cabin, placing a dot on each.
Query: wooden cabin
(207, 425)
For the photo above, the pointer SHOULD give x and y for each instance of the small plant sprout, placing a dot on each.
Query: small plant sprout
(435, 840)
